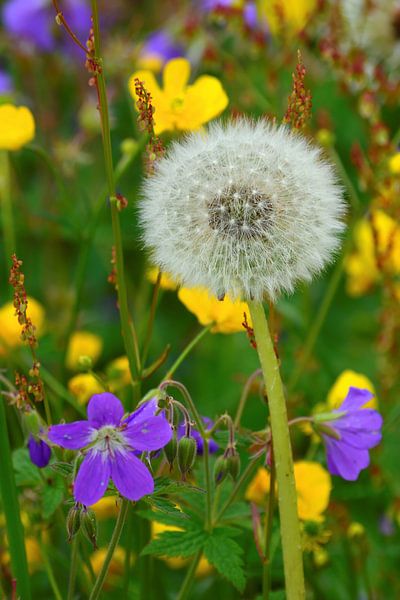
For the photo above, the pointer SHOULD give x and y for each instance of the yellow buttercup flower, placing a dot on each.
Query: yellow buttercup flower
(118, 373)
(361, 266)
(227, 315)
(17, 126)
(106, 507)
(179, 105)
(347, 379)
(83, 386)
(313, 485)
(289, 16)
(166, 283)
(10, 329)
(83, 343)
(394, 164)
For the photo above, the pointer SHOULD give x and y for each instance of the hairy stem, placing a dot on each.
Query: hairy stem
(287, 496)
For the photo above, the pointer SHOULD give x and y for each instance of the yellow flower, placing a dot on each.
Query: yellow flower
(313, 485)
(167, 283)
(394, 164)
(355, 530)
(83, 386)
(116, 568)
(361, 266)
(10, 329)
(289, 16)
(17, 127)
(203, 569)
(179, 105)
(347, 379)
(33, 555)
(118, 373)
(227, 315)
(106, 507)
(83, 343)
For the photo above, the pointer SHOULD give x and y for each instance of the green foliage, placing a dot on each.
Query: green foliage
(26, 473)
(177, 543)
(226, 556)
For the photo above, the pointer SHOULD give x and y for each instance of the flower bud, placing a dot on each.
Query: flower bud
(85, 363)
(73, 522)
(234, 465)
(89, 526)
(221, 469)
(31, 420)
(187, 450)
(170, 450)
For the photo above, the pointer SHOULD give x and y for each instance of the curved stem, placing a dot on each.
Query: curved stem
(110, 551)
(244, 396)
(189, 400)
(73, 568)
(186, 351)
(287, 496)
(187, 582)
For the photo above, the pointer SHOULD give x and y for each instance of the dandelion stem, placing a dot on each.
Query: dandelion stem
(126, 320)
(10, 505)
(110, 551)
(287, 496)
(187, 582)
(186, 351)
(266, 583)
(6, 206)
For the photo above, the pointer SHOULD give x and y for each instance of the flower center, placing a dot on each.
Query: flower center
(109, 438)
(240, 213)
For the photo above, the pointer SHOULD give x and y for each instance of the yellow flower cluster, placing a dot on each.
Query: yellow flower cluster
(179, 105)
(313, 485)
(17, 126)
(376, 238)
(10, 329)
(83, 343)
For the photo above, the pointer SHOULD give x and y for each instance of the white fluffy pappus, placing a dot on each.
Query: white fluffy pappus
(246, 209)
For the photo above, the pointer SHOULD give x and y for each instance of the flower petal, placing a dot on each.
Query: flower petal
(175, 76)
(145, 410)
(39, 452)
(345, 460)
(356, 398)
(132, 479)
(105, 409)
(149, 83)
(93, 477)
(73, 436)
(360, 439)
(148, 434)
(204, 100)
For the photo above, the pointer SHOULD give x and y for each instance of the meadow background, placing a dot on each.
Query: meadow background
(346, 320)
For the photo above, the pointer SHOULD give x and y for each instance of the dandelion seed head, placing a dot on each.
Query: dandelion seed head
(256, 229)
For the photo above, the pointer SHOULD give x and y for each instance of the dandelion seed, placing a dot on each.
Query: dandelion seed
(250, 245)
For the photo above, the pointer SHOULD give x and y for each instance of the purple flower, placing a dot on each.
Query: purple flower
(354, 432)
(39, 452)
(160, 46)
(111, 442)
(6, 86)
(213, 446)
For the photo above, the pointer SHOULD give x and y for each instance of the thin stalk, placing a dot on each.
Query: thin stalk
(6, 206)
(188, 581)
(152, 315)
(267, 533)
(128, 553)
(189, 400)
(186, 351)
(206, 457)
(10, 504)
(73, 568)
(244, 396)
(246, 474)
(110, 552)
(126, 321)
(287, 496)
(49, 571)
(144, 563)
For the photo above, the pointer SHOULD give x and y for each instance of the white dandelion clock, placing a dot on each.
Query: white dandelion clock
(246, 209)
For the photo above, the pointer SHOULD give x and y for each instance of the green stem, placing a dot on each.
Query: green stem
(187, 350)
(206, 458)
(244, 396)
(73, 568)
(144, 563)
(9, 497)
(128, 552)
(151, 319)
(187, 582)
(113, 543)
(268, 532)
(126, 321)
(239, 484)
(49, 571)
(6, 206)
(287, 496)
(189, 400)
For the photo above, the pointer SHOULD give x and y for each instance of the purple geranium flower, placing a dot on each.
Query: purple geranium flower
(39, 452)
(212, 445)
(6, 86)
(354, 432)
(111, 442)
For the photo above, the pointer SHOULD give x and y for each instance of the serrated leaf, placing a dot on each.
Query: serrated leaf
(164, 485)
(226, 556)
(177, 543)
(52, 496)
(165, 506)
(62, 468)
(26, 473)
(177, 519)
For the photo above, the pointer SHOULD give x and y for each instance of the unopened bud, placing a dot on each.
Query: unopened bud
(187, 449)
(31, 420)
(170, 450)
(85, 362)
(73, 522)
(234, 465)
(89, 526)
(324, 429)
(221, 469)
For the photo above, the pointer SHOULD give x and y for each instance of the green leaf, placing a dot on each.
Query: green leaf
(226, 556)
(26, 473)
(164, 485)
(62, 468)
(52, 496)
(177, 543)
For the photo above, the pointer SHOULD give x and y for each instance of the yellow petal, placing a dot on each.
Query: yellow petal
(83, 343)
(175, 76)
(313, 485)
(347, 379)
(149, 81)
(204, 100)
(17, 127)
